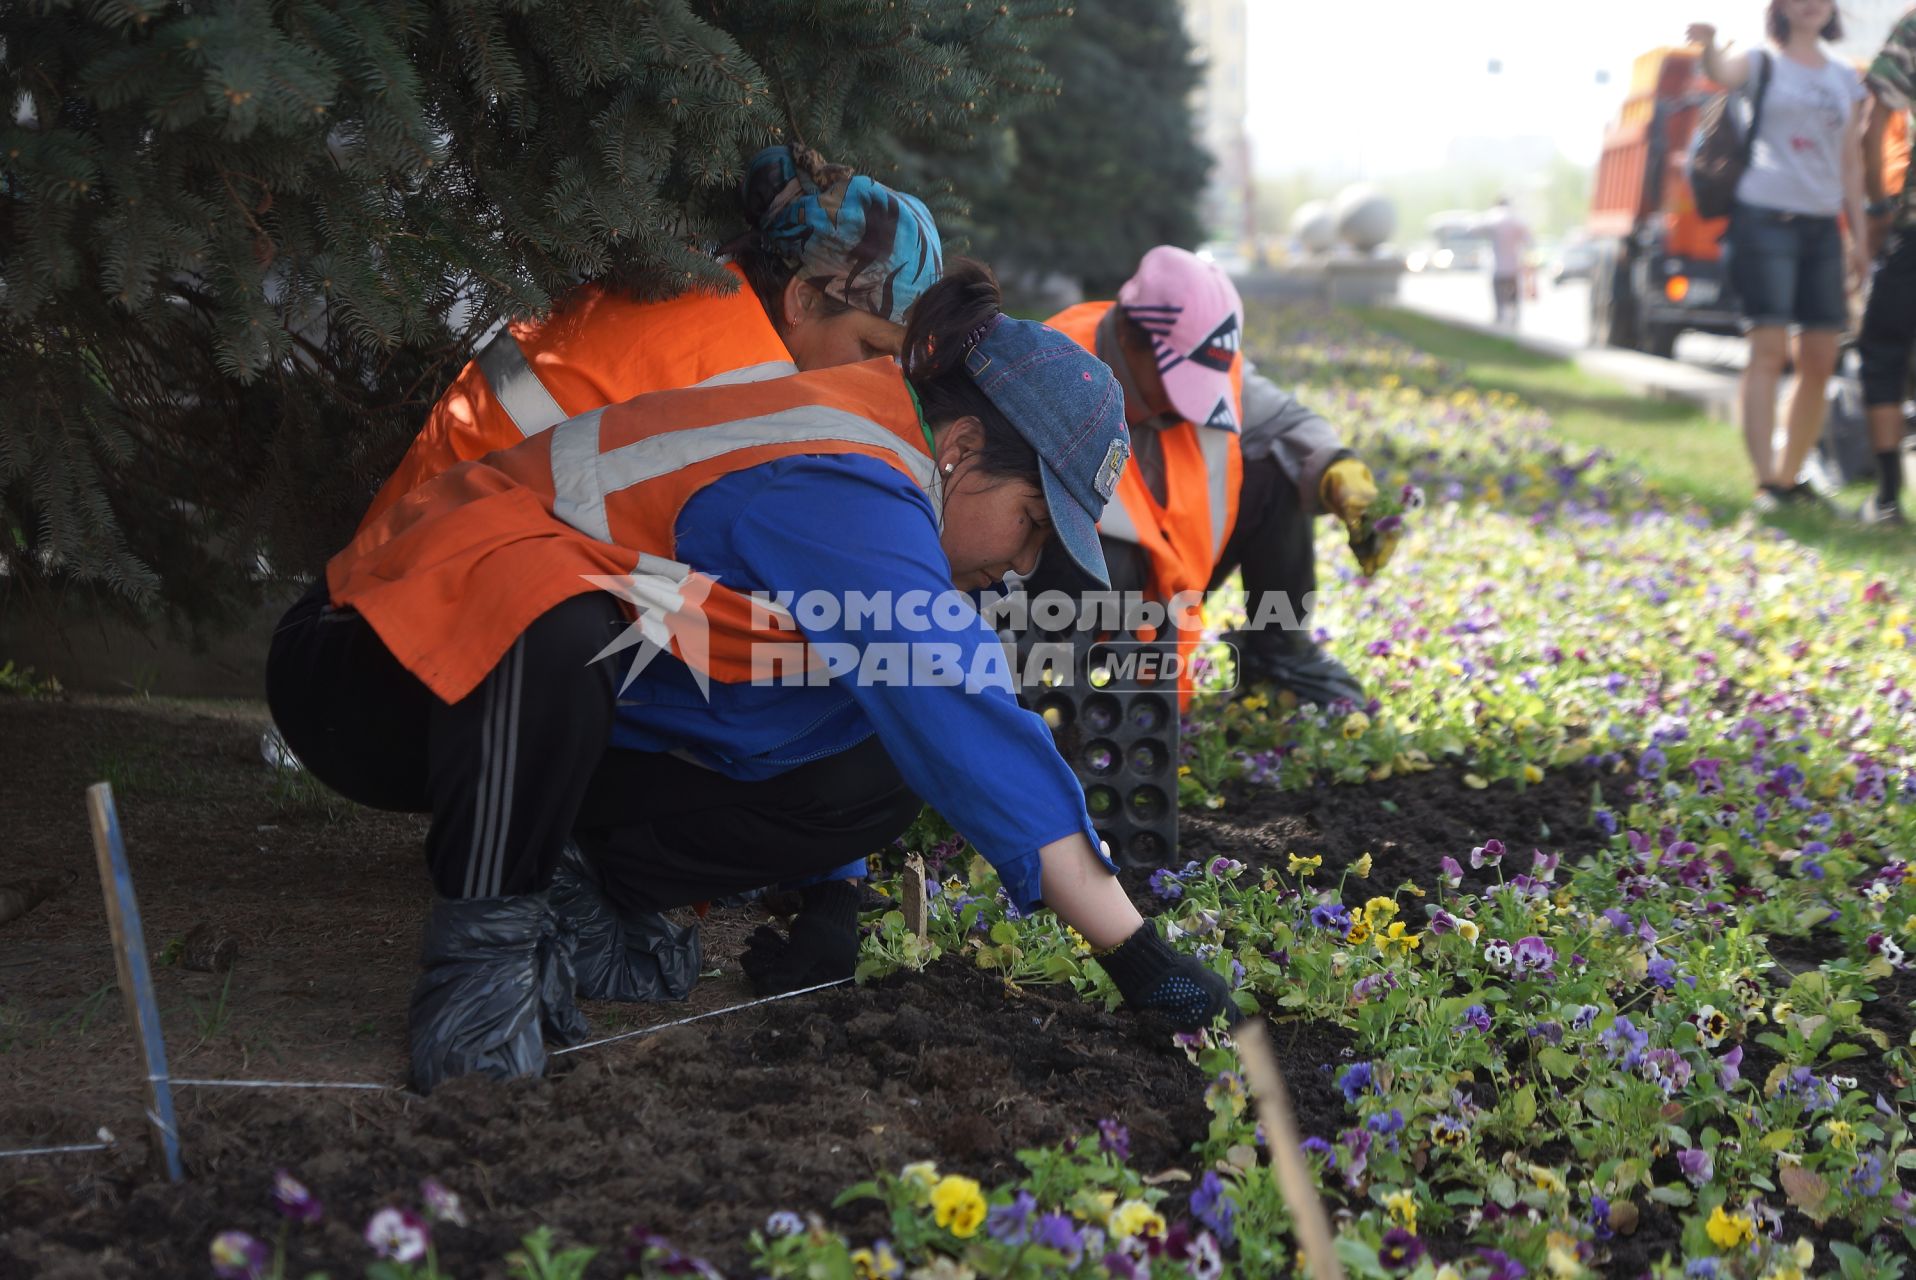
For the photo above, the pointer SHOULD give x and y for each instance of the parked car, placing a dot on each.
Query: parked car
(1575, 259)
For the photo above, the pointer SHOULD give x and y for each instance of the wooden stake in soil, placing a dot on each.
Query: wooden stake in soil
(136, 979)
(1287, 1153)
(912, 890)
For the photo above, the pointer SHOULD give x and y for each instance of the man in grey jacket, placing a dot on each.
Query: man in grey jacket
(1294, 467)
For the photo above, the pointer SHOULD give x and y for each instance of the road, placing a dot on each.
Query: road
(1561, 313)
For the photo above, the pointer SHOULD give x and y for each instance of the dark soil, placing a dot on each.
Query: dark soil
(699, 1132)
(1406, 824)
(1890, 1013)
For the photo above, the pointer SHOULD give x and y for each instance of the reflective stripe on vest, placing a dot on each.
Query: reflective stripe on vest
(1216, 446)
(1115, 522)
(751, 373)
(516, 386)
(582, 476)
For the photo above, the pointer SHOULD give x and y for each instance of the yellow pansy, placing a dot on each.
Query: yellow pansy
(1356, 724)
(1359, 932)
(1361, 867)
(1305, 866)
(1547, 1181)
(922, 1176)
(875, 1263)
(1380, 911)
(1468, 931)
(1136, 1218)
(958, 1204)
(1560, 1256)
(1402, 1206)
(1730, 1230)
(1396, 939)
(1227, 1089)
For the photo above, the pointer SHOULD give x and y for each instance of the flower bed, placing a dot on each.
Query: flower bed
(1585, 940)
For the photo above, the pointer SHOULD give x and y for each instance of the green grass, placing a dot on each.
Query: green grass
(1675, 446)
(139, 771)
(214, 1016)
(297, 793)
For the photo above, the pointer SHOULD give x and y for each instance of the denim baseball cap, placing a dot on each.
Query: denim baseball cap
(1067, 403)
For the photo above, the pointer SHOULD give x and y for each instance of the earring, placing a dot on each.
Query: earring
(948, 467)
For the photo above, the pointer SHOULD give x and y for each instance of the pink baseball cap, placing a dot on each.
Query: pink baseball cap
(1195, 319)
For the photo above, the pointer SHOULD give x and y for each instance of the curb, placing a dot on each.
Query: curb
(1649, 376)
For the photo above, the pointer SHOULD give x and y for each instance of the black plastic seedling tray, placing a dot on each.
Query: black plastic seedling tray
(1116, 724)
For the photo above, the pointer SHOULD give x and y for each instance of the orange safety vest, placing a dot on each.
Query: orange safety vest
(1896, 154)
(1183, 537)
(598, 348)
(457, 570)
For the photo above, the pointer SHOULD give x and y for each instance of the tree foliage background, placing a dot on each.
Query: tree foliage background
(246, 244)
(1112, 169)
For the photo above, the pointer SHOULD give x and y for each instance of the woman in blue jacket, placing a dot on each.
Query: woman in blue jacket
(769, 582)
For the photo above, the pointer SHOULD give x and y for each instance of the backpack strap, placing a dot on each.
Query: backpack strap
(1756, 103)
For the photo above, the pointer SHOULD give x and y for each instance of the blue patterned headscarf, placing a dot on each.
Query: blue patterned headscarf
(847, 235)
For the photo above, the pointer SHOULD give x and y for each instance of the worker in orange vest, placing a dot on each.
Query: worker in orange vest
(1228, 472)
(1889, 318)
(830, 265)
(771, 579)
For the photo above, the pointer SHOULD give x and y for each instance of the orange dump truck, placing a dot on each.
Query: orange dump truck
(1659, 267)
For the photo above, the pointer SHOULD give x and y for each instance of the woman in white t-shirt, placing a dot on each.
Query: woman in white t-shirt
(1785, 247)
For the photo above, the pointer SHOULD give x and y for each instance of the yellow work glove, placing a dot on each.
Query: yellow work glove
(1347, 492)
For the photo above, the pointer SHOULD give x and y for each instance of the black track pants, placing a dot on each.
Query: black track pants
(521, 763)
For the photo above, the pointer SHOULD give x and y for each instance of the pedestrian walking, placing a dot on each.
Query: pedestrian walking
(1786, 248)
(1510, 242)
(1889, 321)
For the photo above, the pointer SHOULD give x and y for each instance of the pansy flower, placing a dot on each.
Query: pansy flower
(294, 1202)
(398, 1234)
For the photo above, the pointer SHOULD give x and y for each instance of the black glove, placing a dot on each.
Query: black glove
(1149, 975)
(823, 945)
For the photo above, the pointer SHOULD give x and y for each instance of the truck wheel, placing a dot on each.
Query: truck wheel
(1613, 311)
(1659, 340)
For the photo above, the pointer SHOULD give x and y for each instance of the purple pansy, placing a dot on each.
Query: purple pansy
(1214, 1209)
(294, 1202)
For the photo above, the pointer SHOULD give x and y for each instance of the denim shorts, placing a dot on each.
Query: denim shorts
(1787, 268)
